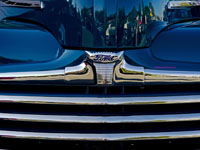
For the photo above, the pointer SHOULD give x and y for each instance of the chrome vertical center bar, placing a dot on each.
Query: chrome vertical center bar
(104, 73)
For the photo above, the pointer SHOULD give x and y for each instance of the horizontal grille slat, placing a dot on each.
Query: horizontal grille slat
(100, 137)
(100, 119)
(83, 100)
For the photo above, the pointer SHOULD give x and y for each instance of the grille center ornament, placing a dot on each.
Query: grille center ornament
(104, 63)
(103, 58)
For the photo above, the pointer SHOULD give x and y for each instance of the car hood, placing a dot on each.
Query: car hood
(91, 23)
(99, 23)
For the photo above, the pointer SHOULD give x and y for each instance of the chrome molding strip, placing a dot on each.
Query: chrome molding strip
(128, 74)
(78, 100)
(138, 75)
(80, 74)
(100, 137)
(103, 69)
(99, 119)
(33, 76)
(23, 3)
(170, 77)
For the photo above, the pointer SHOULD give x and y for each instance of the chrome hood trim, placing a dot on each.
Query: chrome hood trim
(95, 68)
(80, 74)
(23, 3)
(127, 74)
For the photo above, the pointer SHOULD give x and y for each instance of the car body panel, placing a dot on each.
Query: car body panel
(26, 43)
(96, 23)
(99, 72)
(179, 44)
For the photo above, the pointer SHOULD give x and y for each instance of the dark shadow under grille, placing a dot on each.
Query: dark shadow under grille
(98, 128)
(192, 144)
(113, 91)
(100, 110)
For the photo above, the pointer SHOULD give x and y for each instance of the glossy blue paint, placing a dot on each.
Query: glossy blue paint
(100, 23)
(179, 44)
(31, 35)
(144, 57)
(26, 43)
(68, 58)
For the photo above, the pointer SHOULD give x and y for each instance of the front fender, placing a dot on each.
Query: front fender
(26, 43)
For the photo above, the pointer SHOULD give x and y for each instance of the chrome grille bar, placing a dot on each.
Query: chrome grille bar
(23, 3)
(99, 100)
(100, 137)
(99, 119)
(22, 123)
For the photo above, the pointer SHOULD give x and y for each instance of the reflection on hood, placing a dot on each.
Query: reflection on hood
(104, 23)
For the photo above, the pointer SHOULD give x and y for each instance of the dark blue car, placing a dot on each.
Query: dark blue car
(100, 74)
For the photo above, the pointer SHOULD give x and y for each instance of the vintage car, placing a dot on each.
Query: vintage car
(100, 74)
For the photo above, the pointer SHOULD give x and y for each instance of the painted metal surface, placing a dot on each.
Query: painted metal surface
(53, 42)
(101, 23)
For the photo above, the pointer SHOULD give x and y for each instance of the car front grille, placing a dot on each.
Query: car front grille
(83, 116)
